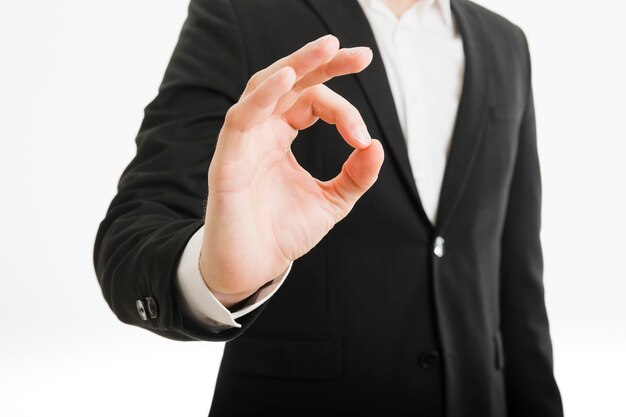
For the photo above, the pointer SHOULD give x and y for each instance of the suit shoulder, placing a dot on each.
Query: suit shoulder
(491, 18)
(498, 27)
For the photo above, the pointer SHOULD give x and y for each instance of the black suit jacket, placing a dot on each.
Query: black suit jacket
(371, 321)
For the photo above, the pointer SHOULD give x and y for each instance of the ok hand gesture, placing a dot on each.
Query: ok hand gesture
(264, 210)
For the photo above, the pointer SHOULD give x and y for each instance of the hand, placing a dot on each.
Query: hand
(264, 210)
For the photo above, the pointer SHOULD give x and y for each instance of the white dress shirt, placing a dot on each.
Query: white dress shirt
(423, 55)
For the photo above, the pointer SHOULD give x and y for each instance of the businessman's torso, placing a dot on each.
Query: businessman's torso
(374, 315)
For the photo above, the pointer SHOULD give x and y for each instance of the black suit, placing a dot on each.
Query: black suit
(371, 321)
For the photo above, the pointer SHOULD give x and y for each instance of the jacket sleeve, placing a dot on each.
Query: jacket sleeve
(530, 385)
(161, 194)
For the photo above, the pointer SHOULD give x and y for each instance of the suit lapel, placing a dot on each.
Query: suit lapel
(472, 112)
(346, 20)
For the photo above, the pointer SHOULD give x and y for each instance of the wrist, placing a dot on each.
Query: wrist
(226, 293)
(228, 299)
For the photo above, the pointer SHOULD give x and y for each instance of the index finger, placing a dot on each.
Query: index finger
(304, 60)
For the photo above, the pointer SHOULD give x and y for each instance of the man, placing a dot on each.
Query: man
(426, 299)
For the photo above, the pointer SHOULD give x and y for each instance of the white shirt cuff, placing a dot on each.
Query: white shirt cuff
(199, 303)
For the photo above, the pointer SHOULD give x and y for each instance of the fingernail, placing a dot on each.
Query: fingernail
(357, 50)
(362, 136)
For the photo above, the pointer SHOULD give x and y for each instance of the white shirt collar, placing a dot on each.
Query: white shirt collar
(443, 6)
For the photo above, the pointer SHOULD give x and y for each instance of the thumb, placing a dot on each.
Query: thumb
(359, 173)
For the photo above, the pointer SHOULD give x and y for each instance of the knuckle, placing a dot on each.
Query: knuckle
(327, 71)
(348, 115)
(233, 116)
(253, 81)
(306, 97)
(355, 183)
(321, 89)
(315, 91)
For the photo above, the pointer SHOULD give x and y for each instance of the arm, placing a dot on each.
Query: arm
(209, 115)
(530, 385)
(162, 193)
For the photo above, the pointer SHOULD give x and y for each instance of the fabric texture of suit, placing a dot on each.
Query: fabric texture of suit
(370, 321)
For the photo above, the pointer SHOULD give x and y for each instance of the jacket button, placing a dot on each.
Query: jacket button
(429, 360)
(152, 308)
(438, 246)
(141, 309)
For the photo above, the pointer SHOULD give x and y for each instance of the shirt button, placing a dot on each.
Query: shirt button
(438, 247)
(429, 360)
(141, 309)
(152, 308)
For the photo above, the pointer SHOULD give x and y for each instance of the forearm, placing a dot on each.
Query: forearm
(162, 193)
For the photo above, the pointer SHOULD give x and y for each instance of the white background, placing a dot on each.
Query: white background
(74, 78)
